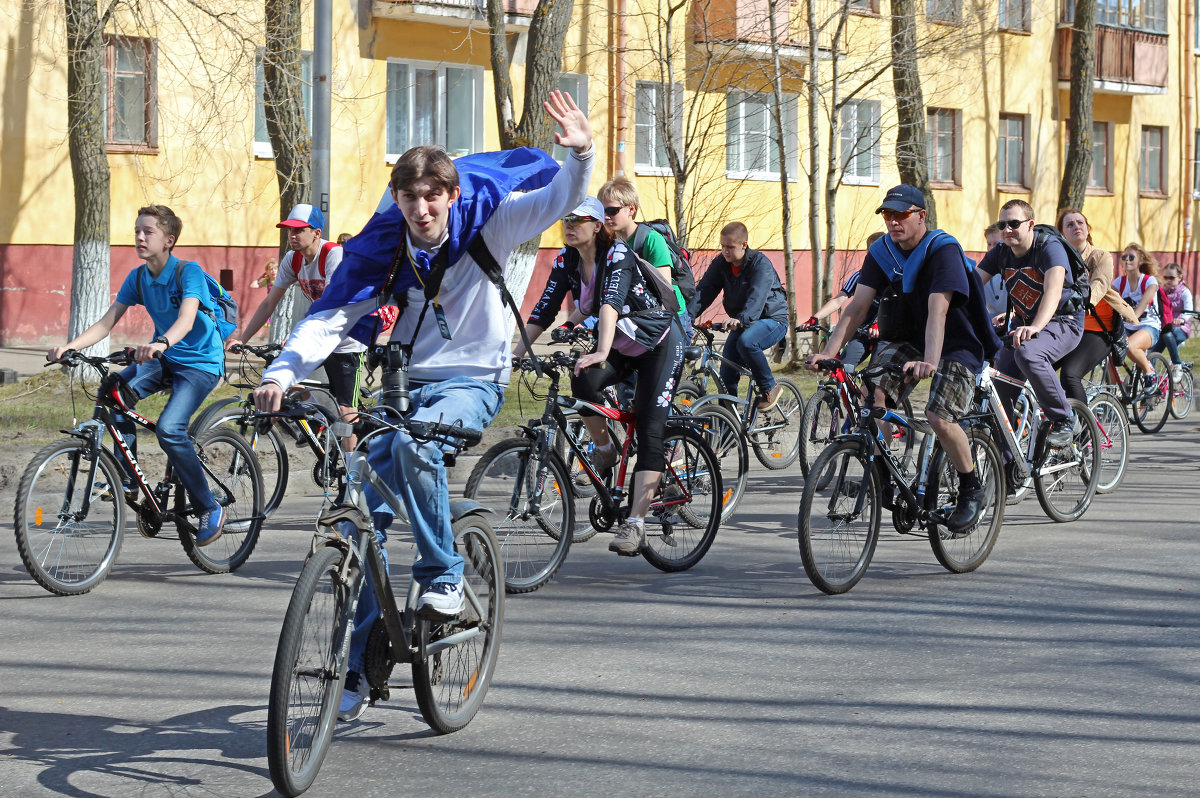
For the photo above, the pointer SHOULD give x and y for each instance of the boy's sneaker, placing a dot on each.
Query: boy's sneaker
(629, 539)
(1061, 432)
(354, 703)
(212, 524)
(442, 599)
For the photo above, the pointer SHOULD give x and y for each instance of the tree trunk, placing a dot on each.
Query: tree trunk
(911, 154)
(283, 102)
(90, 257)
(1078, 168)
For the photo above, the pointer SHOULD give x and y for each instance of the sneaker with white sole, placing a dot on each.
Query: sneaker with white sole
(443, 599)
(211, 525)
(629, 539)
(354, 703)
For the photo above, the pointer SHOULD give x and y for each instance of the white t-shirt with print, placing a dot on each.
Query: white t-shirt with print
(311, 282)
(1133, 293)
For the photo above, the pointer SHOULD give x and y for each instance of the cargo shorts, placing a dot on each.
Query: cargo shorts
(952, 389)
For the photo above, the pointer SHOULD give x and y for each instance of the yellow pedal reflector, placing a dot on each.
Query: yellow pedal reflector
(37, 516)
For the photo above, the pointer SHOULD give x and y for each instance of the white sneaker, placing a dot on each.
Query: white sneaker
(1177, 373)
(444, 599)
(354, 703)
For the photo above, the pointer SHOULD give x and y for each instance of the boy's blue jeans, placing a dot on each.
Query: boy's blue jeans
(746, 346)
(189, 387)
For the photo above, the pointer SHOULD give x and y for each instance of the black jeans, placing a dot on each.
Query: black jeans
(1091, 350)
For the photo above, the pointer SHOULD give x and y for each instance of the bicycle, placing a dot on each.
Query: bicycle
(1149, 412)
(840, 510)
(1182, 391)
(1113, 425)
(774, 434)
(70, 504)
(523, 480)
(452, 660)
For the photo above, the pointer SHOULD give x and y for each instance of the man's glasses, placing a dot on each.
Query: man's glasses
(896, 216)
(575, 221)
(613, 211)
(1129, 257)
(1011, 224)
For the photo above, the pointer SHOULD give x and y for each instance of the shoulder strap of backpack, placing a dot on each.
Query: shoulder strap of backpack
(323, 254)
(639, 238)
(141, 272)
(479, 252)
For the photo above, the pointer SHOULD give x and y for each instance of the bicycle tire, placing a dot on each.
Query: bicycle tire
(533, 546)
(1113, 426)
(78, 553)
(450, 683)
(1181, 395)
(687, 393)
(1150, 414)
(691, 481)
(310, 670)
(233, 463)
(965, 551)
(776, 433)
(723, 432)
(270, 449)
(820, 424)
(1064, 481)
(837, 543)
(1025, 420)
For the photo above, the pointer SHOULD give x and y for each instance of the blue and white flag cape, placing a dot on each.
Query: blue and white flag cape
(485, 180)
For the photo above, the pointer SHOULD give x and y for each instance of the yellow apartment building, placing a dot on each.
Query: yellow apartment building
(185, 126)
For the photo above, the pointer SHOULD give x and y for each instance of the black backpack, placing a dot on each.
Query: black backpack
(681, 267)
(1081, 279)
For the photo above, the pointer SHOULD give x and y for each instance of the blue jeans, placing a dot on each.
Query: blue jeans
(746, 347)
(189, 387)
(417, 473)
(1171, 341)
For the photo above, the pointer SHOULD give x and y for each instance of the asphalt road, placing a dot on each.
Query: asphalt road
(1066, 666)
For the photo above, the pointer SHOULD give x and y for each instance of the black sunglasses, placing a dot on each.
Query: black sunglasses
(1011, 224)
(613, 211)
(573, 220)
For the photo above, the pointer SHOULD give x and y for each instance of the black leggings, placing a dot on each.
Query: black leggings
(1093, 347)
(652, 397)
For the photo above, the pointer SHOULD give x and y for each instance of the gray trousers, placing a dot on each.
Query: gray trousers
(1034, 360)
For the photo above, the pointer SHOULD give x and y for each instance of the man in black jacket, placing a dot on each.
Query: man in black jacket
(756, 306)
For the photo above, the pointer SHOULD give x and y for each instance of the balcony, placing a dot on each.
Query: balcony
(744, 27)
(517, 13)
(1128, 61)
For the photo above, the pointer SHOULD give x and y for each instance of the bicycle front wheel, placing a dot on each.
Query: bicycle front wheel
(686, 512)
(1113, 425)
(268, 447)
(723, 433)
(456, 659)
(820, 424)
(1150, 413)
(1181, 394)
(310, 670)
(534, 543)
(965, 551)
(232, 472)
(775, 434)
(66, 549)
(1067, 479)
(839, 517)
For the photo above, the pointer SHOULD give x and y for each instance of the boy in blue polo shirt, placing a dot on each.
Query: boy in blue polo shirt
(185, 355)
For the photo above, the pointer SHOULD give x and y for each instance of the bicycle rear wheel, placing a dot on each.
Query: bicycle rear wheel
(269, 447)
(723, 433)
(534, 544)
(820, 424)
(232, 472)
(1151, 413)
(310, 670)
(65, 550)
(1181, 394)
(839, 517)
(1113, 425)
(456, 659)
(1066, 481)
(965, 551)
(686, 512)
(776, 433)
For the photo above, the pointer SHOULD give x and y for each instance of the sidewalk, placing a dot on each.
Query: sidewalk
(24, 360)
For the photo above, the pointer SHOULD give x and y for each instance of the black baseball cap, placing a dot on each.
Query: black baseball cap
(901, 198)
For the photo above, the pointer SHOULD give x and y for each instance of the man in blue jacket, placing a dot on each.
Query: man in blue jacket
(756, 306)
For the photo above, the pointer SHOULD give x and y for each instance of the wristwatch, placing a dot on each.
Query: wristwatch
(161, 339)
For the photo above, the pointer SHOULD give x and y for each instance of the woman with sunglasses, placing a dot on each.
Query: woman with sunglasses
(1138, 286)
(1180, 297)
(635, 335)
(1101, 323)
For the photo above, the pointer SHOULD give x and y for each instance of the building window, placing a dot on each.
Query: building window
(750, 148)
(1014, 15)
(649, 133)
(129, 97)
(1148, 15)
(942, 10)
(1010, 162)
(576, 85)
(860, 135)
(865, 6)
(1154, 145)
(1098, 178)
(942, 143)
(262, 141)
(433, 104)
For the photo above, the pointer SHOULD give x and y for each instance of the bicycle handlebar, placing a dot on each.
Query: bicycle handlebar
(571, 335)
(267, 352)
(73, 357)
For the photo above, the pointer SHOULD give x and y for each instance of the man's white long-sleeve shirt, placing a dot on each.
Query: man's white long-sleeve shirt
(479, 346)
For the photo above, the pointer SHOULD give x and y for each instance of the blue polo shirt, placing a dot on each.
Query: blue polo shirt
(201, 348)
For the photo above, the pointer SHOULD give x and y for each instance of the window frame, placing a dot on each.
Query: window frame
(262, 148)
(864, 7)
(440, 123)
(955, 17)
(1005, 185)
(791, 132)
(875, 133)
(580, 95)
(1024, 25)
(149, 143)
(653, 126)
(955, 119)
(1143, 190)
